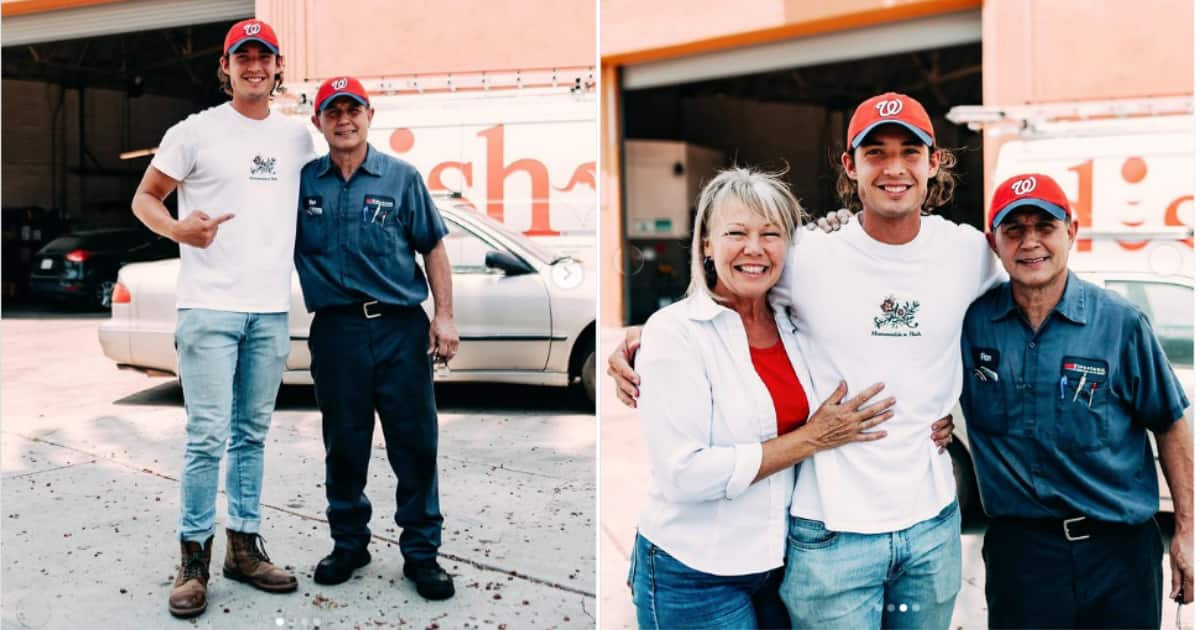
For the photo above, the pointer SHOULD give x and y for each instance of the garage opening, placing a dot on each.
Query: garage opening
(793, 118)
(80, 117)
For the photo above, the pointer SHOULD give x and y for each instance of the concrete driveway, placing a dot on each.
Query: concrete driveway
(90, 466)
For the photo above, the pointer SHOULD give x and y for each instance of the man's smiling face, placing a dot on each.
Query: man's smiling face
(891, 168)
(252, 69)
(344, 123)
(1033, 246)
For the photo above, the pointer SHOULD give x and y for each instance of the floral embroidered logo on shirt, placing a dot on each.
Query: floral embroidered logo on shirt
(899, 316)
(263, 168)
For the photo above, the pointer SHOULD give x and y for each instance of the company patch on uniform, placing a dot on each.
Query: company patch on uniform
(898, 318)
(376, 208)
(1095, 370)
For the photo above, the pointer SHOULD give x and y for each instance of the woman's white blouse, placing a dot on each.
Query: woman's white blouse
(705, 413)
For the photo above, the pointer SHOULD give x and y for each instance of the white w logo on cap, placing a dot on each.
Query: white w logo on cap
(252, 29)
(889, 107)
(340, 84)
(1024, 186)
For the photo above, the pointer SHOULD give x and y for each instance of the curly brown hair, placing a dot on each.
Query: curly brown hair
(224, 84)
(941, 187)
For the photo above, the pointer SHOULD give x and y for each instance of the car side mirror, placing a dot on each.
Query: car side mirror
(506, 262)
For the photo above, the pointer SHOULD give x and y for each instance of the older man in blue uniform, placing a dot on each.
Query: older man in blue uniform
(363, 217)
(1067, 379)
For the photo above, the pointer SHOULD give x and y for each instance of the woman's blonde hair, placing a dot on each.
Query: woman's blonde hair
(763, 193)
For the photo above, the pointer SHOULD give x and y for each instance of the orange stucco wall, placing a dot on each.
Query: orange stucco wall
(635, 31)
(1051, 51)
(376, 38)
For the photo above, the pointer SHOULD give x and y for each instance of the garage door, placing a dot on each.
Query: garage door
(921, 34)
(119, 17)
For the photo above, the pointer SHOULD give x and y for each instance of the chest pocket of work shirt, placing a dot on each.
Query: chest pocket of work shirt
(1081, 413)
(380, 220)
(995, 399)
(314, 232)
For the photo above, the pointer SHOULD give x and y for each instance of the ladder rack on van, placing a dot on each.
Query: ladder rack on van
(1038, 119)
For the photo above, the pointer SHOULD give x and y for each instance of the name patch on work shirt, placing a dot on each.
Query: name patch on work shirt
(987, 364)
(312, 205)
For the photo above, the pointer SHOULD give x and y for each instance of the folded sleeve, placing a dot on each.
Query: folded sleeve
(677, 413)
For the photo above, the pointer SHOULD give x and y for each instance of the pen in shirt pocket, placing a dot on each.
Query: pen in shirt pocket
(1062, 388)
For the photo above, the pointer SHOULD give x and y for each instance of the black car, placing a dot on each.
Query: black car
(82, 266)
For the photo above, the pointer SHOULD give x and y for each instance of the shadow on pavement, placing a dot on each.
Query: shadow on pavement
(451, 397)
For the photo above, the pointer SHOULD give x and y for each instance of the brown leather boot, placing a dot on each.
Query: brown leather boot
(189, 596)
(246, 561)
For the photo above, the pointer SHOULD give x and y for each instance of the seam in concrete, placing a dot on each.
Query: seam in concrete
(474, 563)
(38, 472)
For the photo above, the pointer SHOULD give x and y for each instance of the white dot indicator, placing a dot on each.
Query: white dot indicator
(891, 607)
(279, 621)
(916, 608)
(903, 607)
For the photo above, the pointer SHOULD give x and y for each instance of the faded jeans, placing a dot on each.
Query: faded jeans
(231, 365)
(903, 579)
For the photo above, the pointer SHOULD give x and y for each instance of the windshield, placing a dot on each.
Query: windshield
(541, 252)
(1170, 310)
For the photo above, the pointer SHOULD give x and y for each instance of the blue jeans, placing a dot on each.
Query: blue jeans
(670, 594)
(231, 365)
(903, 579)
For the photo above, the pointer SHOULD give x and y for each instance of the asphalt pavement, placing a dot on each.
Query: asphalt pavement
(89, 479)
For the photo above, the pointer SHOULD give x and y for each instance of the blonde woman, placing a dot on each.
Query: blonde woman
(726, 415)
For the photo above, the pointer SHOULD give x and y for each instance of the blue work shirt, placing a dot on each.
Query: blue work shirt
(1057, 418)
(357, 240)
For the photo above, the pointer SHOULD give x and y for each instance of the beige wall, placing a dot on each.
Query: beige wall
(377, 38)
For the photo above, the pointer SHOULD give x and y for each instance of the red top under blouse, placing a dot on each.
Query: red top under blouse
(775, 370)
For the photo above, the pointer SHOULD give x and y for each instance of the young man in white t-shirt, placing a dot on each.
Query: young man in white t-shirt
(874, 535)
(237, 171)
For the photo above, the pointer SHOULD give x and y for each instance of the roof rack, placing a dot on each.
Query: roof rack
(1032, 118)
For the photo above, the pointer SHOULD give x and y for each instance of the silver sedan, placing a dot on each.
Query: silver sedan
(524, 313)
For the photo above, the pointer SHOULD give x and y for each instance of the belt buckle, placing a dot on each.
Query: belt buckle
(367, 310)
(1067, 529)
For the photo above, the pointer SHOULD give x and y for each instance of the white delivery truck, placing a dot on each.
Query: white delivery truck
(519, 147)
(1128, 168)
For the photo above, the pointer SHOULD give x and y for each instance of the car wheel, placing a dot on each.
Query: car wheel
(103, 295)
(964, 479)
(588, 376)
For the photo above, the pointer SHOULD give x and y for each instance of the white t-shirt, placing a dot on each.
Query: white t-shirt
(228, 163)
(870, 312)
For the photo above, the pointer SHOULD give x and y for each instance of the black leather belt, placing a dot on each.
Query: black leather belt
(1073, 529)
(370, 309)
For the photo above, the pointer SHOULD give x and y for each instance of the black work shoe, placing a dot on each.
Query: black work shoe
(338, 566)
(432, 580)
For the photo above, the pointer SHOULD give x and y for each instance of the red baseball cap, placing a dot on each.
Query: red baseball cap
(340, 86)
(251, 31)
(889, 108)
(1029, 189)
